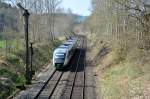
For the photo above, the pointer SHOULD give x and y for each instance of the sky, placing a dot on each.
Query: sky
(81, 7)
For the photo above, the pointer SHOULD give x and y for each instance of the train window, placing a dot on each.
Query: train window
(60, 55)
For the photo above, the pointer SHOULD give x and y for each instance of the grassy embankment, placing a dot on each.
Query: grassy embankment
(12, 69)
(2, 44)
(123, 74)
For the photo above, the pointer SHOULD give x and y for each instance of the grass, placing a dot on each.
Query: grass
(43, 54)
(15, 59)
(12, 43)
(121, 82)
(2, 44)
(123, 73)
(126, 79)
(17, 79)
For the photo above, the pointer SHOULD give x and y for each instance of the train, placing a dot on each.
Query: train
(63, 54)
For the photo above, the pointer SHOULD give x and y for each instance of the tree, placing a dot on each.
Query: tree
(119, 25)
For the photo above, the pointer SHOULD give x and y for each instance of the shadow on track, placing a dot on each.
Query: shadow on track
(76, 60)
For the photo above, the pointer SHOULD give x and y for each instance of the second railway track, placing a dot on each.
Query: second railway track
(74, 88)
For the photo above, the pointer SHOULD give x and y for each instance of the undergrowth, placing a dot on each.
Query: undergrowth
(128, 78)
(12, 68)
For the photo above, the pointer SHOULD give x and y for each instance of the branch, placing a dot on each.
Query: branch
(128, 7)
(144, 25)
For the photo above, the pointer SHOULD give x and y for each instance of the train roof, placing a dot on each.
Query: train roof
(73, 39)
(63, 46)
(71, 42)
(68, 43)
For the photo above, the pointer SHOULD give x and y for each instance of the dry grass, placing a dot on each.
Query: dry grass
(62, 38)
(94, 45)
(112, 58)
(125, 79)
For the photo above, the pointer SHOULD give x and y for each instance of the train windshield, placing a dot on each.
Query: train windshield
(62, 55)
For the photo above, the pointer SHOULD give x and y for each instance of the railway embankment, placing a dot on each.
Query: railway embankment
(12, 69)
(120, 73)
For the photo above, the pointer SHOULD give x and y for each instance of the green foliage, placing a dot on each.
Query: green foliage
(8, 86)
(11, 43)
(15, 60)
(43, 54)
(2, 44)
(17, 79)
(6, 90)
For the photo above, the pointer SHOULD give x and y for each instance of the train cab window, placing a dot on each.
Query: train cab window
(60, 55)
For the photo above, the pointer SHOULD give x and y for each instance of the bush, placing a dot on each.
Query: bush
(17, 79)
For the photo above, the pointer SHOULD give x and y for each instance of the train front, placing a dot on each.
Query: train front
(59, 56)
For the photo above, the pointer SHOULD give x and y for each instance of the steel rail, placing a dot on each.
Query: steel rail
(43, 87)
(84, 68)
(55, 86)
(76, 71)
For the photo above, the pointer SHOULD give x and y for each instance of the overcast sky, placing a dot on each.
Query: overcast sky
(81, 7)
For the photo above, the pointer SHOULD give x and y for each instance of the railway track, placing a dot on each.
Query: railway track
(74, 88)
(49, 87)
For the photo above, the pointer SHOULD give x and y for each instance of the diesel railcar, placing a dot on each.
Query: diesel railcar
(63, 54)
